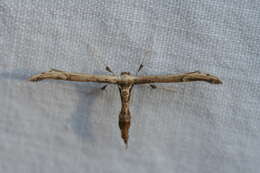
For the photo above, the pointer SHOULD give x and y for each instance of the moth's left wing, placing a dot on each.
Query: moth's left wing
(185, 77)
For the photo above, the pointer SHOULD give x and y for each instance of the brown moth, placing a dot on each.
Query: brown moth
(125, 82)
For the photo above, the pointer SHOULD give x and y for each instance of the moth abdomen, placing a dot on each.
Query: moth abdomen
(124, 125)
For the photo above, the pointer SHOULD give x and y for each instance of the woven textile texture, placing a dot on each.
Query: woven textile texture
(61, 126)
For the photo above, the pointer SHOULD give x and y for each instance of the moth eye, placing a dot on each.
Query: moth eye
(207, 74)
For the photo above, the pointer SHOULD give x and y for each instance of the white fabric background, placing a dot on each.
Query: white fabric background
(59, 126)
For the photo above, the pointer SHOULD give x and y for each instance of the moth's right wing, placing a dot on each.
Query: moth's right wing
(80, 77)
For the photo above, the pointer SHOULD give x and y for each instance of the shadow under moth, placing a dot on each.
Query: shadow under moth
(125, 82)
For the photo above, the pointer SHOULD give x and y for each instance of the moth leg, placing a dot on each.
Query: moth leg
(109, 70)
(161, 87)
(104, 87)
(140, 67)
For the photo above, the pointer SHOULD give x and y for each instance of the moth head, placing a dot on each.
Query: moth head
(125, 73)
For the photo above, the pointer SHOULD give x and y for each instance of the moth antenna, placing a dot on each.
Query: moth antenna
(147, 53)
(53, 69)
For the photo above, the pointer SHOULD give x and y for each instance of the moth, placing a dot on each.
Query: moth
(125, 83)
